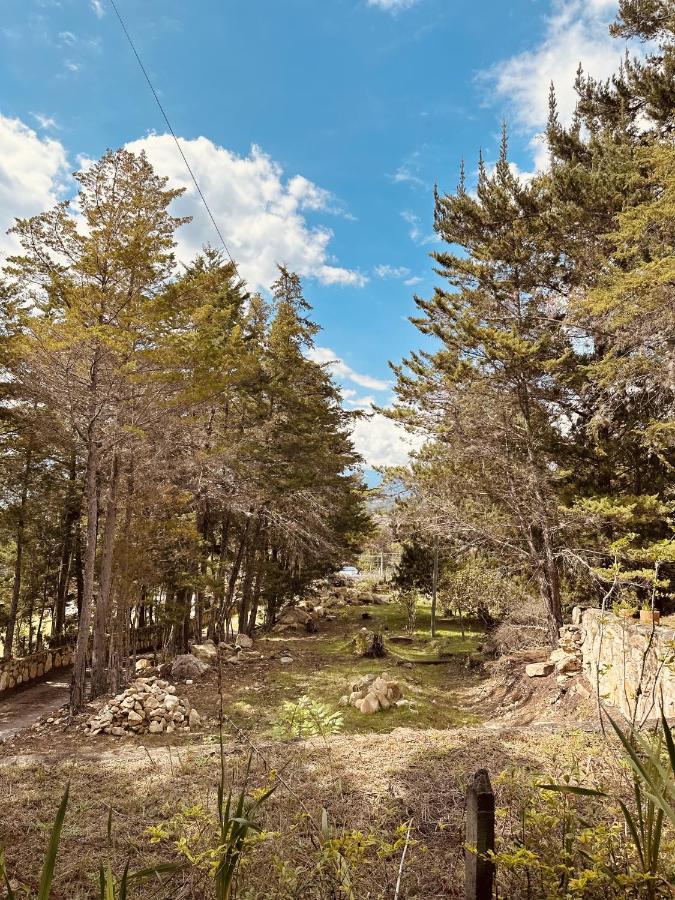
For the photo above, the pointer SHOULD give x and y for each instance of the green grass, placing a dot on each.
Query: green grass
(433, 688)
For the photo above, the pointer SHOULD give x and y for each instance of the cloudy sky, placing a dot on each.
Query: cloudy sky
(316, 130)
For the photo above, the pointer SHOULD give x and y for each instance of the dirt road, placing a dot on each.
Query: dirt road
(23, 708)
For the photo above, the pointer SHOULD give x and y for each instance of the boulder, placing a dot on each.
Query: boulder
(539, 669)
(243, 642)
(294, 616)
(369, 704)
(206, 652)
(187, 666)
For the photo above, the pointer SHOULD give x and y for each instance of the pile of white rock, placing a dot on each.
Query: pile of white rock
(148, 705)
(371, 693)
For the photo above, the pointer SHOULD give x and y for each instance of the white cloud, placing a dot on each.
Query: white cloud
(259, 213)
(415, 231)
(97, 7)
(33, 175)
(576, 31)
(379, 440)
(383, 442)
(72, 66)
(405, 175)
(392, 5)
(413, 280)
(343, 372)
(45, 122)
(384, 271)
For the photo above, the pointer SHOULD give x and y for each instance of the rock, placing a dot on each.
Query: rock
(576, 615)
(563, 680)
(344, 700)
(249, 655)
(394, 690)
(206, 652)
(382, 699)
(581, 690)
(143, 663)
(363, 682)
(369, 704)
(539, 669)
(194, 719)
(294, 616)
(243, 642)
(569, 663)
(286, 659)
(147, 705)
(187, 665)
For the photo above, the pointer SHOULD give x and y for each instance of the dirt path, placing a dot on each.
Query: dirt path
(23, 708)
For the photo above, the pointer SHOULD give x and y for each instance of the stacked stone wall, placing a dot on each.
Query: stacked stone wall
(22, 670)
(16, 672)
(633, 664)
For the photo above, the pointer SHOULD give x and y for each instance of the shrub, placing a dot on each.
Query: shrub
(307, 718)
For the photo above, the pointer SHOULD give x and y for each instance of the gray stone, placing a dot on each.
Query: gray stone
(187, 666)
(206, 652)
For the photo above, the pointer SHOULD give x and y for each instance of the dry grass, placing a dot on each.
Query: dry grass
(383, 771)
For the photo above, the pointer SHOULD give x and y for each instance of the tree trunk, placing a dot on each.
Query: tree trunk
(120, 650)
(71, 513)
(79, 572)
(99, 658)
(218, 613)
(77, 685)
(18, 559)
(257, 590)
(234, 574)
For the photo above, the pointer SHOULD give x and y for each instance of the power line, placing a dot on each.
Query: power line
(173, 134)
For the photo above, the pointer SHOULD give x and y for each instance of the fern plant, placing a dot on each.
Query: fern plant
(307, 718)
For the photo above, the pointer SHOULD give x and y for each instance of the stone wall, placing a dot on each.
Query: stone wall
(635, 664)
(15, 672)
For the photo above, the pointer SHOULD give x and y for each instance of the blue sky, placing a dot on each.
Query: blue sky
(317, 131)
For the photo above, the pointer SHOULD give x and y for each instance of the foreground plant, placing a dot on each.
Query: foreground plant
(652, 763)
(49, 864)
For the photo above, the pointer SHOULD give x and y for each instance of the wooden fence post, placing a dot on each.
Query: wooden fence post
(480, 833)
